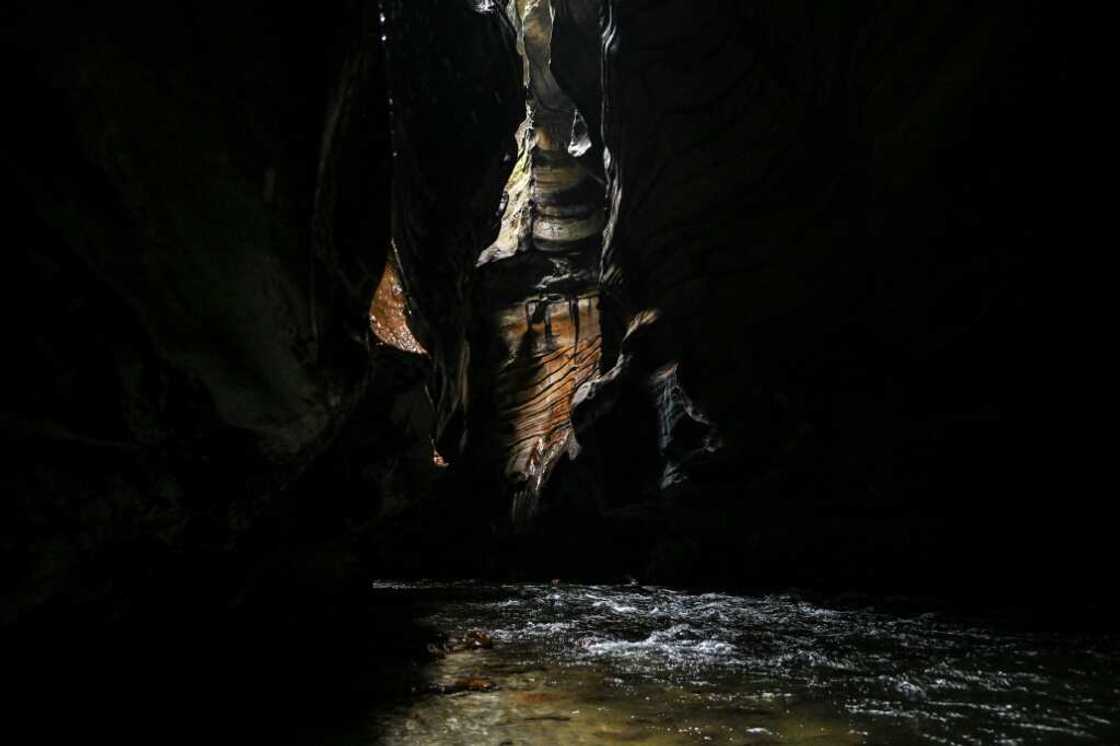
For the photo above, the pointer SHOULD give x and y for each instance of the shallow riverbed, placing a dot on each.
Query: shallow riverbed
(573, 664)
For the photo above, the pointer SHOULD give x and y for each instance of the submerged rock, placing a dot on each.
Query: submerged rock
(465, 684)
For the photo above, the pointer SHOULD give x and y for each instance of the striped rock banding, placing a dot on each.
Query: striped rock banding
(540, 282)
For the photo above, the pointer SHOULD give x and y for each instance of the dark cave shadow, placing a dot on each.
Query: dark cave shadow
(276, 675)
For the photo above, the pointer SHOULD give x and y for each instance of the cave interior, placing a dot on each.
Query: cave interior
(726, 296)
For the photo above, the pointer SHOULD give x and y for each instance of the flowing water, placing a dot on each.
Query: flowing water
(574, 664)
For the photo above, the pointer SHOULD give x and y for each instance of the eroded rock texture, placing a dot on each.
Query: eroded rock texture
(807, 351)
(538, 296)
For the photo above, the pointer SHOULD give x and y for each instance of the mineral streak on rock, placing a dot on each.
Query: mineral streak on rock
(539, 279)
(547, 361)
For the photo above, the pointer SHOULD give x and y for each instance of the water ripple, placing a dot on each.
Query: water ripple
(935, 678)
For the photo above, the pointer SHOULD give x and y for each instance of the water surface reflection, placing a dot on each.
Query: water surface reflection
(575, 664)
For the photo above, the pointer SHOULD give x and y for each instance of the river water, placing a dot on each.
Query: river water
(576, 664)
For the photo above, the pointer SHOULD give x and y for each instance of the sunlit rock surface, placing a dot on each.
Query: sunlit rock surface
(388, 314)
(538, 282)
(550, 348)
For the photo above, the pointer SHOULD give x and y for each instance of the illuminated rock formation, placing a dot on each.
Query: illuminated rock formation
(539, 282)
(746, 262)
(388, 314)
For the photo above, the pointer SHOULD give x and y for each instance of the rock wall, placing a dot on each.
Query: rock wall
(204, 200)
(203, 451)
(576, 63)
(803, 349)
(815, 292)
(455, 80)
(538, 301)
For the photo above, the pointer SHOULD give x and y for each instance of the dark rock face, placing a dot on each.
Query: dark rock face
(538, 327)
(814, 277)
(576, 63)
(203, 216)
(197, 210)
(794, 341)
(455, 78)
(204, 445)
(201, 199)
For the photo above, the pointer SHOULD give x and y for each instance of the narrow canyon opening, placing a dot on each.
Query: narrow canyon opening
(546, 371)
(534, 332)
(389, 312)
(539, 279)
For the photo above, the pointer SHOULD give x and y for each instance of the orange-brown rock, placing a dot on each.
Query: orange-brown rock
(388, 314)
(464, 684)
(539, 285)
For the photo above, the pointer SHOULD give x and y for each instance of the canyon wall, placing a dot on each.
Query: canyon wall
(745, 300)
(203, 202)
(192, 193)
(202, 446)
(538, 333)
(815, 289)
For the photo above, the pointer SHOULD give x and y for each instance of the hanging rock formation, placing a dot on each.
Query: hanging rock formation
(389, 314)
(194, 191)
(576, 63)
